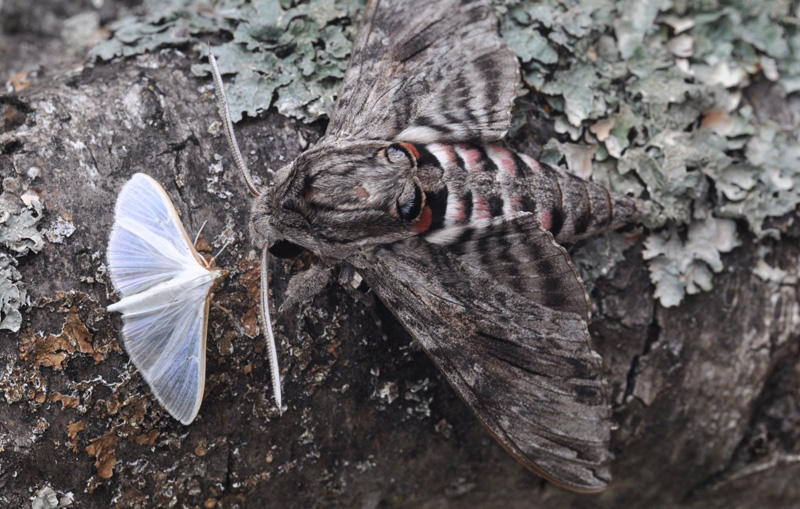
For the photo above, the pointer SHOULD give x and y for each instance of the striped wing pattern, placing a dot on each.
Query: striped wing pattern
(522, 256)
(441, 74)
(484, 286)
(528, 372)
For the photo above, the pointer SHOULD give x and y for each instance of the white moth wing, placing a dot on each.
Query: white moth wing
(165, 336)
(148, 243)
(166, 293)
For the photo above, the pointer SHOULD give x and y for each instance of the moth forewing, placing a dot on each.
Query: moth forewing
(166, 287)
(426, 71)
(528, 372)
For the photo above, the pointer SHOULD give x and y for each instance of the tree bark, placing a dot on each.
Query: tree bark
(706, 395)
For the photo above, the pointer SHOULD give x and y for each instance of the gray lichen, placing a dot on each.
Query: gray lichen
(684, 265)
(19, 235)
(59, 230)
(656, 89)
(46, 498)
(13, 294)
(18, 225)
(292, 57)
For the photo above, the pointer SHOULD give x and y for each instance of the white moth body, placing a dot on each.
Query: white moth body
(188, 282)
(166, 288)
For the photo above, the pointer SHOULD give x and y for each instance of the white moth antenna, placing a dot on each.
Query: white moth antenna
(197, 237)
(226, 244)
(267, 324)
(225, 115)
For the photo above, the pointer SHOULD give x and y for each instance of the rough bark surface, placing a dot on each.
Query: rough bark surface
(706, 395)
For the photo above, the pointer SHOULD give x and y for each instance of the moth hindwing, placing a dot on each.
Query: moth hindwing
(459, 238)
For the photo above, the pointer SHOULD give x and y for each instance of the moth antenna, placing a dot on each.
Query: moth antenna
(267, 325)
(226, 244)
(225, 115)
(197, 237)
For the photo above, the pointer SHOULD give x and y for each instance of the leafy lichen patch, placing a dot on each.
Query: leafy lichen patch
(104, 450)
(679, 266)
(53, 349)
(13, 294)
(74, 429)
(39, 349)
(19, 225)
(658, 89)
(19, 235)
(59, 230)
(289, 56)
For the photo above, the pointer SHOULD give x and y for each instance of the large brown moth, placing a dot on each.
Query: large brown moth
(460, 239)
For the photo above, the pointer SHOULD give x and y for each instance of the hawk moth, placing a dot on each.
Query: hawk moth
(459, 238)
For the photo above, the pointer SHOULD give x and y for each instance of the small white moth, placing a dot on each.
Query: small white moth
(166, 288)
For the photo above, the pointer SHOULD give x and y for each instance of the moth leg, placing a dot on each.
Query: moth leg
(233, 319)
(354, 285)
(351, 280)
(305, 285)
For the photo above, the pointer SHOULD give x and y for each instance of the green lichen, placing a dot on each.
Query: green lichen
(19, 235)
(652, 95)
(18, 225)
(281, 54)
(12, 294)
(655, 91)
(681, 265)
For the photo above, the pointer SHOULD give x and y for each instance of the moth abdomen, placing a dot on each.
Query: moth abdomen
(467, 183)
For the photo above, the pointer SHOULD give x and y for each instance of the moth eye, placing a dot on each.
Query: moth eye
(410, 205)
(285, 249)
(397, 154)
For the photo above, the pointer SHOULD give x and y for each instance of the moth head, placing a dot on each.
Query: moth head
(338, 197)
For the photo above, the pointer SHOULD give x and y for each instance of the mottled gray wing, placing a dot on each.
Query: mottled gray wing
(424, 71)
(522, 255)
(528, 372)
